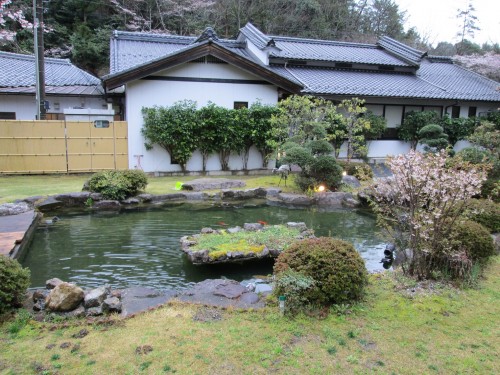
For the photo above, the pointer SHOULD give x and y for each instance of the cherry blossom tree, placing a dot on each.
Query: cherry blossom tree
(11, 13)
(419, 205)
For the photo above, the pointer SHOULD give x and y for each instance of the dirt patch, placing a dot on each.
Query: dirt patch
(205, 314)
(81, 334)
(143, 349)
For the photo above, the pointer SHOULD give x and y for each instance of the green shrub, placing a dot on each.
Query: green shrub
(118, 185)
(322, 170)
(475, 155)
(338, 270)
(484, 212)
(137, 178)
(362, 171)
(14, 280)
(433, 137)
(325, 170)
(473, 238)
(320, 147)
(295, 287)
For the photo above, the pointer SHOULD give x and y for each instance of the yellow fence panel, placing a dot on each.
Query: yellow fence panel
(78, 144)
(32, 147)
(121, 144)
(62, 147)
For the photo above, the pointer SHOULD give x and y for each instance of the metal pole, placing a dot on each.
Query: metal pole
(39, 58)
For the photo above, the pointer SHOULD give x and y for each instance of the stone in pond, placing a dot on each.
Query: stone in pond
(230, 289)
(64, 297)
(112, 304)
(252, 226)
(52, 283)
(95, 297)
(212, 183)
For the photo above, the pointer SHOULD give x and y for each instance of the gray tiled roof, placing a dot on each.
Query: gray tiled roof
(324, 50)
(256, 36)
(433, 81)
(18, 75)
(401, 50)
(133, 49)
(56, 90)
(433, 77)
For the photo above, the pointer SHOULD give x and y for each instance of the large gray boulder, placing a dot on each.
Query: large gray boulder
(295, 199)
(212, 183)
(351, 181)
(64, 297)
(336, 199)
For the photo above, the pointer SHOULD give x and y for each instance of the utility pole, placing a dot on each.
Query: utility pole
(39, 58)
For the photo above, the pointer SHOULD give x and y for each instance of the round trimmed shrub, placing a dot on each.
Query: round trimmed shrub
(326, 170)
(14, 280)
(484, 212)
(137, 179)
(118, 185)
(338, 271)
(322, 170)
(473, 238)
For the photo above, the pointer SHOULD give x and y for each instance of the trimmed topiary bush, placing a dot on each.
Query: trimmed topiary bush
(118, 185)
(14, 280)
(322, 170)
(338, 270)
(484, 212)
(473, 238)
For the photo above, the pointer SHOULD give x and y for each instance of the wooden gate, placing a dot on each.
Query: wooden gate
(62, 147)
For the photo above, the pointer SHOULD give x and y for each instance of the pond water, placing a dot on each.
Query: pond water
(141, 246)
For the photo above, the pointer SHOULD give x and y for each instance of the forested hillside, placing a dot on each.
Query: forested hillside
(80, 29)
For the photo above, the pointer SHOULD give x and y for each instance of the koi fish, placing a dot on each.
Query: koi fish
(221, 223)
(261, 222)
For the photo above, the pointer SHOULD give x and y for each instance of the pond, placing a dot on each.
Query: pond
(141, 246)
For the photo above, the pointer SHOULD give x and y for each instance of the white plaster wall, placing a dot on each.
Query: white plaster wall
(255, 51)
(381, 149)
(145, 93)
(25, 105)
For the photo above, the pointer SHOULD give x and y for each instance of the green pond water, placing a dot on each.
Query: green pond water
(141, 246)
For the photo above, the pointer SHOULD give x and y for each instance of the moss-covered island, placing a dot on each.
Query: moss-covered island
(253, 241)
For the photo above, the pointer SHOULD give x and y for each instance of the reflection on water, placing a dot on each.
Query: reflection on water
(141, 247)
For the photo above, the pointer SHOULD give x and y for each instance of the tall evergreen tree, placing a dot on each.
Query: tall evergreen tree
(468, 25)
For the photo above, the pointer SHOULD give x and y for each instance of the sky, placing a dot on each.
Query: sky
(437, 20)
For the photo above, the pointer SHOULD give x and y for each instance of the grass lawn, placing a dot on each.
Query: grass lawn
(17, 187)
(448, 332)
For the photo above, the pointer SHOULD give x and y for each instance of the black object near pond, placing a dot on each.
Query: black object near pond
(141, 246)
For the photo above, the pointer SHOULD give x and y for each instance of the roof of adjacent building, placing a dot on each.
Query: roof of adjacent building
(322, 67)
(61, 77)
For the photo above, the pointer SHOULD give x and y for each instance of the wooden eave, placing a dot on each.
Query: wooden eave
(205, 49)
